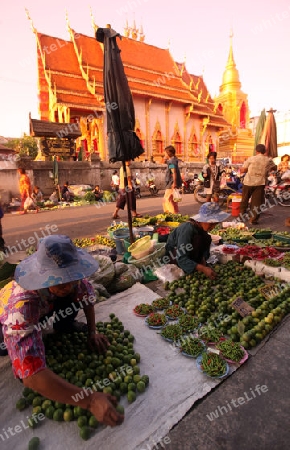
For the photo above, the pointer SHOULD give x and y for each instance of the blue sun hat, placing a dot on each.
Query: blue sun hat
(210, 212)
(56, 261)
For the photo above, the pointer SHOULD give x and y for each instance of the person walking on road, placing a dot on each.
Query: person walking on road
(121, 199)
(25, 189)
(173, 181)
(256, 169)
(212, 173)
(115, 183)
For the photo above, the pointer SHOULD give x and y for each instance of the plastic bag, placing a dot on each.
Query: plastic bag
(29, 203)
(176, 195)
(106, 271)
(169, 272)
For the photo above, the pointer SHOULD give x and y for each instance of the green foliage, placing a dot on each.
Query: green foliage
(90, 197)
(25, 146)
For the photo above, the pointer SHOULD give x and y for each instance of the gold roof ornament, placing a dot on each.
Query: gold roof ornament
(231, 74)
(134, 31)
(127, 29)
(94, 25)
(141, 34)
(30, 20)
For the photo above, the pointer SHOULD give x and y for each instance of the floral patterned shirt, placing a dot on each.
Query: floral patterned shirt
(20, 312)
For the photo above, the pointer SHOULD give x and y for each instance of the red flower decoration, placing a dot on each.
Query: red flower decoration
(29, 366)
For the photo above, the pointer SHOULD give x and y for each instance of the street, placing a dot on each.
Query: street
(87, 221)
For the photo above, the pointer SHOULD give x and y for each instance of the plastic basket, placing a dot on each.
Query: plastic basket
(150, 259)
(281, 238)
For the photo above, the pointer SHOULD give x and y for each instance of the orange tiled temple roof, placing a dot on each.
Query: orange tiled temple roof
(75, 73)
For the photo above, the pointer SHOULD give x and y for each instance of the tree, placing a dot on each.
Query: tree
(25, 146)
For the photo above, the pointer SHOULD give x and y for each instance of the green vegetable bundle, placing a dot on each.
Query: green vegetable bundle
(192, 346)
(209, 334)
(213, 365)
(231, 350)
(187, 322)
(173, 332)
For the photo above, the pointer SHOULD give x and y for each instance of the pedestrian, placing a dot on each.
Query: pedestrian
(188, 244)
(37, 195)
(66, 194)
(115, 183)
(212, 173)
(256, 169)
(52, 282)
(2, 242)
(121, 199)
(283, 166)
(172, 181)
(25, 189)
(98, 193)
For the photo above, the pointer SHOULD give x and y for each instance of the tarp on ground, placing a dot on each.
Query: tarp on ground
(175, 385)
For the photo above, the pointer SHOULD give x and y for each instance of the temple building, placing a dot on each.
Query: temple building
(171, 105)
(232, 102)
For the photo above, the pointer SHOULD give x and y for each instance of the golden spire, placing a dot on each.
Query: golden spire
(231, 76)
(94, 25)
(141, 34)
(134, 30)
(127, 29)
(30, 20)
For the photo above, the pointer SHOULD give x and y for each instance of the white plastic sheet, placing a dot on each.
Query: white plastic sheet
(175, 385)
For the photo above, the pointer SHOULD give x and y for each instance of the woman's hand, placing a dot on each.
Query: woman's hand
(102, 406)
(210, 273)
(98, 342)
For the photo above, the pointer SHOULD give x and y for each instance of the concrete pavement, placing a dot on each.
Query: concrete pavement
(262, 421)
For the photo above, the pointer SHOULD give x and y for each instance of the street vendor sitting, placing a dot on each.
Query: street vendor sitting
(52, 281)
(188, 245)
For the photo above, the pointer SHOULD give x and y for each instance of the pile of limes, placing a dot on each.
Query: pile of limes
(68, 355)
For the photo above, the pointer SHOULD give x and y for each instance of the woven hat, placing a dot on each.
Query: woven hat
(56, 261)
(210, 212)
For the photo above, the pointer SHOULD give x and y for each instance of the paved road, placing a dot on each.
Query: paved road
(87, 221)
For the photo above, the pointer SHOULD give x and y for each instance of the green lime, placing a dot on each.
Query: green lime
(68, 415)
(141, 386)
(48, 412)
(108, 390)
(136, 378)
(32, 422)
(145, 378)
(120, 409)
(123, 388)
(131, 396)
(33, 444)
(37, 401)
(21, 404)
(37, 410)
(58, 415)
(132, 387)
(93, 423)
(85, 433)
(26, 391)
(82, 421)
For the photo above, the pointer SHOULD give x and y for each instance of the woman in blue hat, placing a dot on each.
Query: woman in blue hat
(52, 282)
(188, 245)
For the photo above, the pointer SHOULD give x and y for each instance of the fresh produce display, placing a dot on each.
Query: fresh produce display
(192, 346)
(68, 355)
(172, 332)
(117, 226)
(163, 230)
(231, 350)
(210, 302)
(272, 262)
(231, 233)
(160, 303)
(213, 365)
(143, 309)
(187, 322)
(156, 320)
(229, 250)
(209, 334)
(272, 242)
(259, 253)
(89, 242)
(174, 311)
(103, 240)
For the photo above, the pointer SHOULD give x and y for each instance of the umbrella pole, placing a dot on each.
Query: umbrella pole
(128, 203)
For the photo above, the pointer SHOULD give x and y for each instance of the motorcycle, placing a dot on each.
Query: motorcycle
(150, 183)
(231, 187)
(188, 186)
(136, 186)
(278, 188)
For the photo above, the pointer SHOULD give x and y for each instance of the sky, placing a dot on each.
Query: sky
(198, 32)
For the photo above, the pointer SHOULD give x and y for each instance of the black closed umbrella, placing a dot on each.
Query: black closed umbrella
(123, 143)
